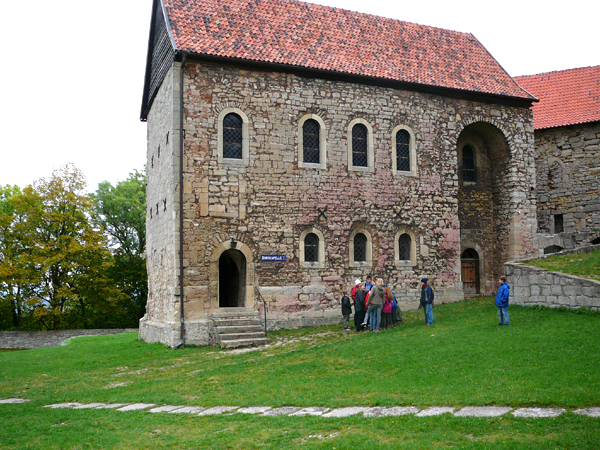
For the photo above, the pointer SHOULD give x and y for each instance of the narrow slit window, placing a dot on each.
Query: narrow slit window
(311, 142)
(468, 161)
(360, 248)
(311, 248)
(359, 146)
(404, 245)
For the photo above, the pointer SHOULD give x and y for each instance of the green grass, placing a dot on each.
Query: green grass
(585, 265)
(545, 358)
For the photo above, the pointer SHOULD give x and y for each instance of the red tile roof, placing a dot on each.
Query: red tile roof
(311, 36)
(567, 97)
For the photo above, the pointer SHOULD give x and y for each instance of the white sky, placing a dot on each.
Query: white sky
(72, 71)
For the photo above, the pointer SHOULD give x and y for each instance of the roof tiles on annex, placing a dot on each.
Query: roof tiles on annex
(567, 97)
(306, 35)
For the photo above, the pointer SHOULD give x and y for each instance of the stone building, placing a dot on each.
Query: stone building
(567, 142)
(293, 148)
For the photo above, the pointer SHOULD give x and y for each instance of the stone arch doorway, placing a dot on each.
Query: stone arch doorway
(469, 262)
(232, 279)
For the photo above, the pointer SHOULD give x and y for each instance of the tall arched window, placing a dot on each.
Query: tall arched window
(403, 151)
(360, 247)
(468, 163)
(404, 247)
(310, 143)
(311, 248)
(359, 145)
(232, 136)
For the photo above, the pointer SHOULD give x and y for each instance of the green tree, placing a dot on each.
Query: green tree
(65, 255)
(121, 211)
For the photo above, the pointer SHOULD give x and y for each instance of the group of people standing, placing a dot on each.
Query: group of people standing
(375, 305)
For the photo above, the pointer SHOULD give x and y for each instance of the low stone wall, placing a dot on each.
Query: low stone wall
(23, 340)
(533, 286)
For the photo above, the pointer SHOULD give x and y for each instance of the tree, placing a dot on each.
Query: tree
(61, 251)
(121, 211)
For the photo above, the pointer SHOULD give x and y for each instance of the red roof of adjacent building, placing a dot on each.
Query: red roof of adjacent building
(306, 35)
(567, 97)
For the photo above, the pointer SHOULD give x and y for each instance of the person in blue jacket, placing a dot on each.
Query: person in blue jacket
(502, 301)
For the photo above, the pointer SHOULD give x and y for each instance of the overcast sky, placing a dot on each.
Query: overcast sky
(73, 70)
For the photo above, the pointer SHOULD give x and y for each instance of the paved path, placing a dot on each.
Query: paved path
(377, 411)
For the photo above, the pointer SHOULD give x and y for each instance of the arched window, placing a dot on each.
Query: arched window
(404, 247)
(310, 143)
(403, 151)
(468, 163)
(232, 136)
(360, 247)
(359, 145)
(311, 248)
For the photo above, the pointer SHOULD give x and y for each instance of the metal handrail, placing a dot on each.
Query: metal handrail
(265, 306)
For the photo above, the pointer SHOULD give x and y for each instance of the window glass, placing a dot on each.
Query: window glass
(310, 139)
(232, 136)
(360, 247)
(311, 248)
(403, 151)
(404, 244)
(468, 161)
(359, 145)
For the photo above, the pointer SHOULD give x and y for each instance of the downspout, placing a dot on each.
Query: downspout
(181, 136)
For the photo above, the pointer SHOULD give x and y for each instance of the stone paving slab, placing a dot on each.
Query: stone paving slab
(187, 410)
(253, 410)
(538, 412)
(64, 405)
(380, 411)
(90, 406)
(345, 412)
(14, 400)
(436, 411)
(482, 411)
(284, 410)
(164, 408)
(112, 406)
(218, 410)
(592, 412)
(137, 407)
(310, 411)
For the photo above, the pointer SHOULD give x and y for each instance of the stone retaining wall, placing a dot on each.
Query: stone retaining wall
(534, 286)
(24, 340)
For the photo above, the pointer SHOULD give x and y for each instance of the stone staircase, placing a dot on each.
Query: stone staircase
(238, 327)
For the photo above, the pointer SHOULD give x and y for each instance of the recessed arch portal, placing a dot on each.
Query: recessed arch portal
(469, 262)
(232, 279)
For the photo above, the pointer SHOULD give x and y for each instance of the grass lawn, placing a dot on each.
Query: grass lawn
(585, 265)
(545, 358)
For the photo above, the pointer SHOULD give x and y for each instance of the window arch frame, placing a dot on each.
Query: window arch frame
(320, 263)
(245, 138)
(370, 147)
(411, 152)
(322, 164)
(368, 249)
(413, 249)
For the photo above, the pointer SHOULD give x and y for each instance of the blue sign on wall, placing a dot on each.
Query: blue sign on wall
(272, 257)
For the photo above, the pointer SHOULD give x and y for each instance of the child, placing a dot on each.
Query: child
(346, 310)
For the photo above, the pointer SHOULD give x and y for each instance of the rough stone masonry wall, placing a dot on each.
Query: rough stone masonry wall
(268, 203)
(25, 340)
(568, 177)
(532, 286)
(161, 321)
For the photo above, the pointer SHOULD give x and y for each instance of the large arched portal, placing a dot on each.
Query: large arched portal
(232, 279)
(484, 200)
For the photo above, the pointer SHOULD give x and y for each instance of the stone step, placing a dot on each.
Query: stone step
(242, 335)
(237, 313)
(236, 322)
(245, 342)
(239, 328)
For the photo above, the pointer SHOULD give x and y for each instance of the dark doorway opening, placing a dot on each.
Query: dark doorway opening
(469, 262)
(232, 279)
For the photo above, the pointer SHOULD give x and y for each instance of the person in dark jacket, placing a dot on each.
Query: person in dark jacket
(359, 307)
(427, 301)
(346, 310)
(502, 301)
